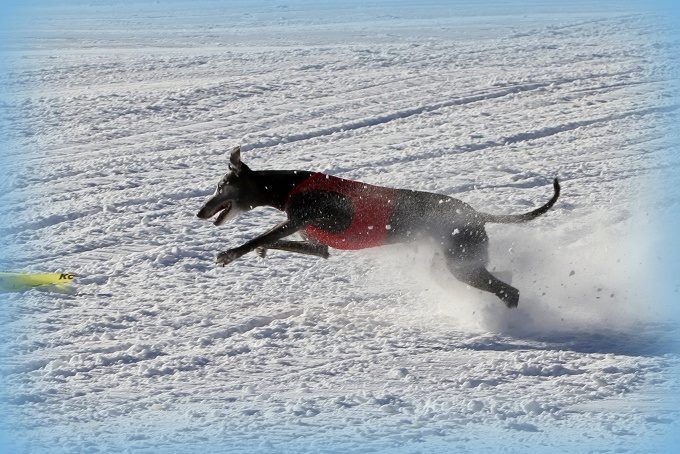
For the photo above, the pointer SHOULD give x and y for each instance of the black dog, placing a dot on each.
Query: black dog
(345, 214)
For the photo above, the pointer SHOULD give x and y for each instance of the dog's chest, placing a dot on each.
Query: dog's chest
(370, 209)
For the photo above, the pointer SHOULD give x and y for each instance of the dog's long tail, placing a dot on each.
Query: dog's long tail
(514, 218)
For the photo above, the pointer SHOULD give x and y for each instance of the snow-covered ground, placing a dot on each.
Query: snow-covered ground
(121, 116)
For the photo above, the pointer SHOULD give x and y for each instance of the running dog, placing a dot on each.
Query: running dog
(345, 214)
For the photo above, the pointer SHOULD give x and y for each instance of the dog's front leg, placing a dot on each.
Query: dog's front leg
(280, 231)
(299, 247)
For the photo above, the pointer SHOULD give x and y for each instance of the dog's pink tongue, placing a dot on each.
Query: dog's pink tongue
(220, 217)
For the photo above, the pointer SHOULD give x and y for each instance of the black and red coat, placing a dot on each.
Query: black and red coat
(347, 214)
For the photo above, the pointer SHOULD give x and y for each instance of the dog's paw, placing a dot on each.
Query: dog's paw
(510, 297)
(226, 257)
(322, 252)
(261, 251)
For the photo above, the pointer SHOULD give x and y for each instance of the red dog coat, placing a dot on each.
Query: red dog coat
(373, 207)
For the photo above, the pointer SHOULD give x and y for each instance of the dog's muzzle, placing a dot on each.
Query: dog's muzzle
(210, 209)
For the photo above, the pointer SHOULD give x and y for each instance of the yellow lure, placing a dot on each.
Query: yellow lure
(14, 282)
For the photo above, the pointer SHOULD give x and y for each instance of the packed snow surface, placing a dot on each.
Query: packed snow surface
(121, 116)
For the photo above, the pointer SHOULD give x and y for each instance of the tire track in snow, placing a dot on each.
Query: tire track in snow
(386, 118)
(406, 113)
(205, 127)
(536, 134)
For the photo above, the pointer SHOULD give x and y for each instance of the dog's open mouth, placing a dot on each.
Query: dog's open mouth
(223, 210)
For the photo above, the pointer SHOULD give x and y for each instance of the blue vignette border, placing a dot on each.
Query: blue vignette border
(669, 277)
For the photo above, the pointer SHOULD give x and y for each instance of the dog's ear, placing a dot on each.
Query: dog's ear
(235, 164)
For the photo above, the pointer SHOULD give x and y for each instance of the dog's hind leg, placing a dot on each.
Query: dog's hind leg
(467, 257)
(479, 277)
(300, 247)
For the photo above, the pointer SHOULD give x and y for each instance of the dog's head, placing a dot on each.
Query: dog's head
(233, 193)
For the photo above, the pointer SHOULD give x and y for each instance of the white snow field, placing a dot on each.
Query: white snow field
(121, 116)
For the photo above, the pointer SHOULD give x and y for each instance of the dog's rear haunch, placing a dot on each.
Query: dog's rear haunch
(343, 214)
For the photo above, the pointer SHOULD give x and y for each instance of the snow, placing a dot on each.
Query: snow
(120, 119)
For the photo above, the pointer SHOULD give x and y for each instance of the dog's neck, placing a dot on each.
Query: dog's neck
(275, 185)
